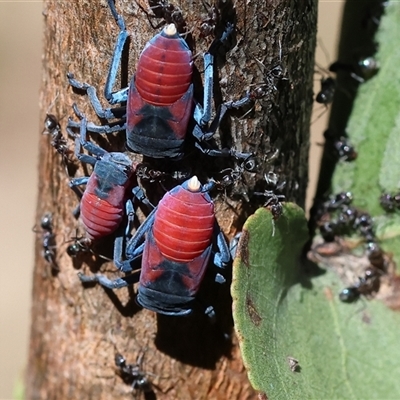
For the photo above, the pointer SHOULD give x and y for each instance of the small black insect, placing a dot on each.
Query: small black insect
(339, 146)
(373, 15)
(48, 241)
(132, 374)
(80, 245)
(337, 201)
(390, 203)
(293, 364)
(145, 172)
(52, 127)
(209, 23)
(376, 256)
(229, 176)
(273, 194)
(337, 217)
(366, 285)
(344, 150)
(170, 13)
(327, 91)
(361, 70)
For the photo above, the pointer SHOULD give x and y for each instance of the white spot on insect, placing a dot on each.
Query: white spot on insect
(170, 30)
(194, 184)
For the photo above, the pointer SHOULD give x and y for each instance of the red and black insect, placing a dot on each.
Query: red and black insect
(176, 251)
(160, 100)
(104, 202)
(160, 97)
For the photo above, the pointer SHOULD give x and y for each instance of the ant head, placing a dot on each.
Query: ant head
(250, 164)
(349, 295)
(46, 222)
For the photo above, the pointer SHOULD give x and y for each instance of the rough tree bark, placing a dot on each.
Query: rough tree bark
(76, 330)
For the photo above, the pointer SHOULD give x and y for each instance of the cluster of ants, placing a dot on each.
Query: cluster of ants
(337, 218)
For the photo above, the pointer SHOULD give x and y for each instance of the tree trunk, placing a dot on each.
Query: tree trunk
(77, 330)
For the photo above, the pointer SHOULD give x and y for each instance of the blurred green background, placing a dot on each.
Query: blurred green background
(20, 127)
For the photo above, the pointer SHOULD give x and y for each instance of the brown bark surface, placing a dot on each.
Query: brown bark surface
(76, 330)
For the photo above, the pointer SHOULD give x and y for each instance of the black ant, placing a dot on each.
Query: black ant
(271, 77)
(339, 146)
(273, 196)
(48, 241)
(231, 176)
(58, 141)
(133, 375)
(170, 13)
(327, 91)
(80, 245)
(366, 285)
(144, 171)
(361, 71)
(337, 201)
(389, 202)
(267, 88)
(376, 256)
(209, 23)
(373, 15)
(344, 150)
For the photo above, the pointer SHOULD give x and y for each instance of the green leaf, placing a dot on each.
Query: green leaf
(344, 351)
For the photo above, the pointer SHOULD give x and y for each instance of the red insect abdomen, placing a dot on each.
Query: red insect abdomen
(99, 216)
(164, 70)
(183, 224)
